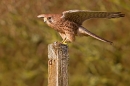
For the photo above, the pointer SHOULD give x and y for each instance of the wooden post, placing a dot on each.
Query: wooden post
(58, 64)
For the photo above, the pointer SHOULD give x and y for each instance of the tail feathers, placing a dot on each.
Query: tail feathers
(83, 31)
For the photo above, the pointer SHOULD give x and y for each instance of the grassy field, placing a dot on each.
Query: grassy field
(24, 40)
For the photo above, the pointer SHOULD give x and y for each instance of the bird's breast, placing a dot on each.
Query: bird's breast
(64, 26)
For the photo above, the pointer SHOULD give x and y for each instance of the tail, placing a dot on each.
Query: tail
(83, 31)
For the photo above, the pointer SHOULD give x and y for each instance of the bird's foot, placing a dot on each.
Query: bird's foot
(64, 41)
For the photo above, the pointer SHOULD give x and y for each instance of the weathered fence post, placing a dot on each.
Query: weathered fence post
(57, 64)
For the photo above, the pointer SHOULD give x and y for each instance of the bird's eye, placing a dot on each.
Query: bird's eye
(49, 17)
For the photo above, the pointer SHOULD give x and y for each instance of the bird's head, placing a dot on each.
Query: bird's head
(46, 18)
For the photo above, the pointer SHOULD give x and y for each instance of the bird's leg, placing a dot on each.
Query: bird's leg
(63, 37)
(64, 41)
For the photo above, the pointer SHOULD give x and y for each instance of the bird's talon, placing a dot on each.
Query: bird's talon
(64, 43)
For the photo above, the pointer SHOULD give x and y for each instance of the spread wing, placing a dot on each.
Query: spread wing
(79, 16)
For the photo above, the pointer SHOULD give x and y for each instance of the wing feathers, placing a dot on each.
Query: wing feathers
(83, 31)
(79, 16)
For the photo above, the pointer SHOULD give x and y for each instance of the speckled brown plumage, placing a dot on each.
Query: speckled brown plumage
(68, 24)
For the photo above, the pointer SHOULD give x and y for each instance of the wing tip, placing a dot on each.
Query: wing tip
(122, 15)
(116, 15)
(111, 43)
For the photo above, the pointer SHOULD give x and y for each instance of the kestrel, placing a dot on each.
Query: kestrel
(69, 23)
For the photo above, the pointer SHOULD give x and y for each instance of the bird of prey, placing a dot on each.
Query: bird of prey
(69, 23)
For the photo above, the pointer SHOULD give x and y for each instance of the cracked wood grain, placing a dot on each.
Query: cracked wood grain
(57, 64)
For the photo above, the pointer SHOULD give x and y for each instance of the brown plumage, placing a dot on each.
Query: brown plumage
(68, 24)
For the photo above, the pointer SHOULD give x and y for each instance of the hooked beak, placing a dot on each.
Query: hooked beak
(42, 16)
(44, 19)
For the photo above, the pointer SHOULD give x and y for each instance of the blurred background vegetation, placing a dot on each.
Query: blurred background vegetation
(24, 39)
